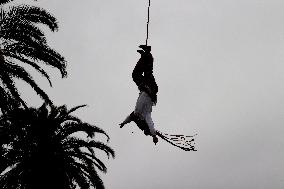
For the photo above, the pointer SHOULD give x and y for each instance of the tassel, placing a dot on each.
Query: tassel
(181, 141)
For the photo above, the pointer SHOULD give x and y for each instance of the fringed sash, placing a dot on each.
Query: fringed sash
(181, 141)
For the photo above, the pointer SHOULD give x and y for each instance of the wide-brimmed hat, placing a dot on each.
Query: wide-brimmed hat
(146, 48)
(140, 51)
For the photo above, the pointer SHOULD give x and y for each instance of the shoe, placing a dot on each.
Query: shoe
(121, 125)
(155, 139)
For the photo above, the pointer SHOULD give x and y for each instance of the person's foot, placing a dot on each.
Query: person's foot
(121, 125)
(155, 139)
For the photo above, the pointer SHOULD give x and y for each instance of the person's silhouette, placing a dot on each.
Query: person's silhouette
(143, 77)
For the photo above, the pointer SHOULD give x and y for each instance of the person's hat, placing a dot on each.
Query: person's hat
(140, 51)
(146, 48)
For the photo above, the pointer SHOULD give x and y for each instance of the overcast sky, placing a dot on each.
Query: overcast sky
(219, 67)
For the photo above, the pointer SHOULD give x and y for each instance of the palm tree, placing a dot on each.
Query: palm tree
(22, 42)
(4, 1)
(47, 147)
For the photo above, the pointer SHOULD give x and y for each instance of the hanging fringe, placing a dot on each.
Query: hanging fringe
(181, 141)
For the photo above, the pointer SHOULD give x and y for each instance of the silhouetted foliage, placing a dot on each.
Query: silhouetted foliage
(41, 149)
(4, 1)
(23, 42)
(7, 1)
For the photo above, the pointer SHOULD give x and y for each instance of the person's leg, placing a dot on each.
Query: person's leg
(150, 124)
(127, 120)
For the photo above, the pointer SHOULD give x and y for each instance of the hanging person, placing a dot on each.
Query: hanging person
(143, 77)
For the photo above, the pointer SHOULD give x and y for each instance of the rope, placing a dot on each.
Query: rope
(148, 20)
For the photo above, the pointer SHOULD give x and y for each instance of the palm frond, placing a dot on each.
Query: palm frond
(88, 158)
(10, 85)
(69, 128)
(14, 30)
(84, 173)
(99, 145)
(74, 142)
(32, 64)
(78, 175)
(21, 73)
(91, 174)
(43, 111)
(55, 112)
(40, 53)
(7, 102)
(11, 179)
(40, 153)
(76, 108)
(22, 41)
(35, 15)
(5, 1)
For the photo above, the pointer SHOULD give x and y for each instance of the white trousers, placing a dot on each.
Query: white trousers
(143, 110)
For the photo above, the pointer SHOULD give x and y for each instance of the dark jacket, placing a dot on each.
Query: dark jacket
(143, 76)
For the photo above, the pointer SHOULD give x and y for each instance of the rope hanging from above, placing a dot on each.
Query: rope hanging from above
(148, 20)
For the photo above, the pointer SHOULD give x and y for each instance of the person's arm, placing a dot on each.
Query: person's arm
(137, 74)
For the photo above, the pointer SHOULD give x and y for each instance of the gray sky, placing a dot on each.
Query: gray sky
(219, 67)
